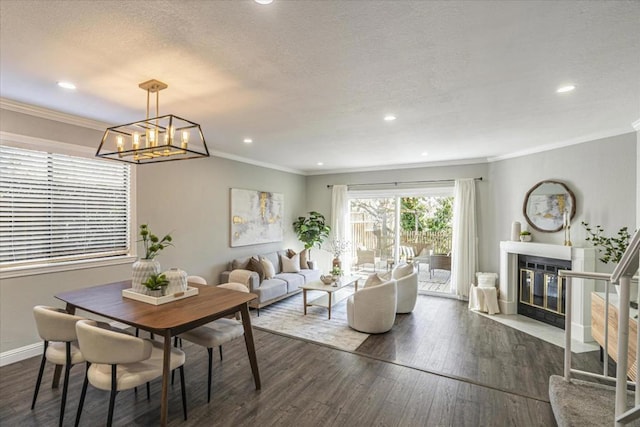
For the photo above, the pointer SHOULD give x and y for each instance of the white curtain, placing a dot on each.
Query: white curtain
(464, 256)
(340, 221)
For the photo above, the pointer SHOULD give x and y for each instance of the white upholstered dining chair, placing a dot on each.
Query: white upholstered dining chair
(216, 333)
(117, 361)
(57, 328)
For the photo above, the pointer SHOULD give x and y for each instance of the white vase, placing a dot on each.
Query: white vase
(142, 269)
(515, 231)
(525, 238)
(177, 281)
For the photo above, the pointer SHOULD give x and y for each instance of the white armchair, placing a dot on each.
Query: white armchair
(373, 309)
(407, 278)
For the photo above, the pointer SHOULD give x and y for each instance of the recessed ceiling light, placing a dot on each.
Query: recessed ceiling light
(263, 1)
(389, 118)
(320, 163)
(67, 85)
(424, 153)
(247, 140)
(565, 89)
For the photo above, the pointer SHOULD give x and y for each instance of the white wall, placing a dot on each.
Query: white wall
(601, 174)
(191, 198)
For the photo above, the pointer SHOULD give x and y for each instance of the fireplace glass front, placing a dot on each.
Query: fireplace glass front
(541, 294)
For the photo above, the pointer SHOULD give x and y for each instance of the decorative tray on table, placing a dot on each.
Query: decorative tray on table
(130, 293)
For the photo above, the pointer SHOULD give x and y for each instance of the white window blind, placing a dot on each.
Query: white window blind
(55, 207)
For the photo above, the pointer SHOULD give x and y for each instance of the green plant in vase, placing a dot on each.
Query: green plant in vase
(611, 248)
(311, 231)
(147, 265)
(153, 244)
(336, 272)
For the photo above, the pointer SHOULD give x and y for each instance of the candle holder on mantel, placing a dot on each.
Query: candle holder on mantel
(566, 224)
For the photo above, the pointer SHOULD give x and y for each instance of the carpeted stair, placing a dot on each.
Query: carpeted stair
(583, 404)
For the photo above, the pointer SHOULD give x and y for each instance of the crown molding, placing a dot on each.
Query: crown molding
(401, 166)
(45, 113)
(240, 159)
(636, 125)
(555, 146)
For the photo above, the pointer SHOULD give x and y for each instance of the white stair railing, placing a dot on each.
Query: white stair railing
(623, 276)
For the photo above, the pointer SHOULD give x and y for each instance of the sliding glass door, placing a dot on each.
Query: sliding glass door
(373, 230)
(404, 226)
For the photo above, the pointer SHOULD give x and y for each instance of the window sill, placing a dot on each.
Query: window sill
(32, 270)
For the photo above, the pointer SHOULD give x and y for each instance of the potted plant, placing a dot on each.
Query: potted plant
(525, 236)
(155, 284)
(336, 272)
(312, 230)
(338, 247)
(144, 267)
(611, 248)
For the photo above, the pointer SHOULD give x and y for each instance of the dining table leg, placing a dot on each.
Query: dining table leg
(248, 339)
(166, 364)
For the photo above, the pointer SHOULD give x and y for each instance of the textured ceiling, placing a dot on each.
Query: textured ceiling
(310, 81)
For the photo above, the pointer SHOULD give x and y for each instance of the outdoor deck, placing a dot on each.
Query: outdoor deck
(439, 281)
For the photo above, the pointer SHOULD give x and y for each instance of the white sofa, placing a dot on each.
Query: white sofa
(373, 308)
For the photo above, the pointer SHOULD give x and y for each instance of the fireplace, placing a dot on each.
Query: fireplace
(541, 293)
(581, 259)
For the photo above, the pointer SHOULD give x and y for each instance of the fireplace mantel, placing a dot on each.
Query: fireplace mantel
(582, 259)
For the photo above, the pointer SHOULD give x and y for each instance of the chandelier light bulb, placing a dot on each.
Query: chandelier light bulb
(185, 139)
(136, 140)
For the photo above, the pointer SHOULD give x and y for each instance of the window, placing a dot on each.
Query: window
(56, 208)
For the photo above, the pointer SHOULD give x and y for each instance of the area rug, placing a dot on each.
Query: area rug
(287, 317)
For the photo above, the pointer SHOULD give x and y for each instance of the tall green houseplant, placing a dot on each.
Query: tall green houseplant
(311, 230)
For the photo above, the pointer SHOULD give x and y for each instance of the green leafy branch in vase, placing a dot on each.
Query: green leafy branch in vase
(611, 248)
(153, 244)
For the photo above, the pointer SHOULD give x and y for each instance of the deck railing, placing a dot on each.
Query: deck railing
(382, 243)
(622, 276)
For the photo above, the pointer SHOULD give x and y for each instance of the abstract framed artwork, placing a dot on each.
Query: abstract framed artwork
(256, 217)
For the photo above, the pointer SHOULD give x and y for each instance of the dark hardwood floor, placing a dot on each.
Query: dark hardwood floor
(439, 366)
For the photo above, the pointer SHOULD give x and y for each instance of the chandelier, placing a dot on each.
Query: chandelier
(158, 139)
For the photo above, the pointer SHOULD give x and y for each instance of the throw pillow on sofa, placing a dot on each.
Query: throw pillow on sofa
(256, 265)
(290, 265)
(304, 257)
(240, 264)
(269, 269)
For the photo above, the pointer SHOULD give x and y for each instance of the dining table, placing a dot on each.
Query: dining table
(166, 320)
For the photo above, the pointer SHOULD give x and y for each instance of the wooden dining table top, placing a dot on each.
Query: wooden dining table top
(178, 316)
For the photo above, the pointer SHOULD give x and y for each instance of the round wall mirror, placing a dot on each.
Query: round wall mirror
(547, 204)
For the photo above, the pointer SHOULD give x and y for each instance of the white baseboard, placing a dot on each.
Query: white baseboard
(31, 350)
(21, 353)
